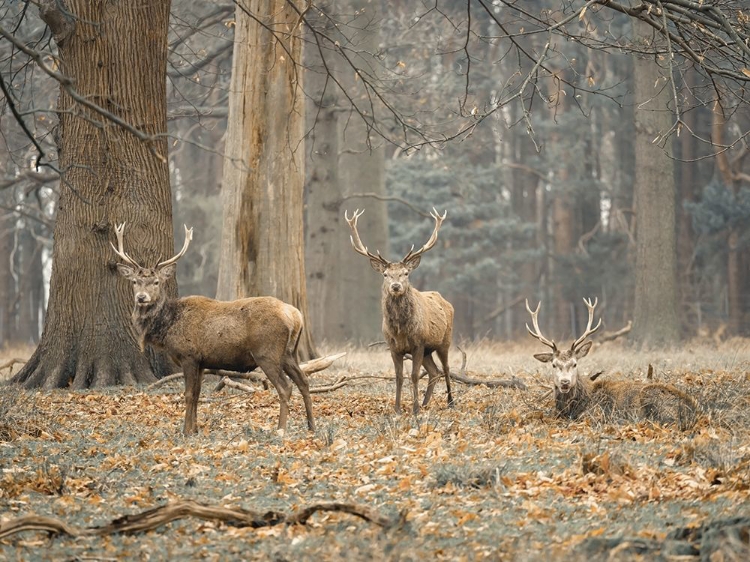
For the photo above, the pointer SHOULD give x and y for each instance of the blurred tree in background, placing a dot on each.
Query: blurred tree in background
(519, 119)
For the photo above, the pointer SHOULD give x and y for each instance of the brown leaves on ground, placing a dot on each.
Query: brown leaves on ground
(496, 476)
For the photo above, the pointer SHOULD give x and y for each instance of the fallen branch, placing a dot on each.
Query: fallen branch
(329, 388)
(609, 336)
(462, 377)
(10, 363)
(181, 509)
(513, 382)
(226, 381)
(308, 367)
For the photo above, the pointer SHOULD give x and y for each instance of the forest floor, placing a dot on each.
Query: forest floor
(497, 476)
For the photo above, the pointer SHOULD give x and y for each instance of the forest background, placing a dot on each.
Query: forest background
(522, 122)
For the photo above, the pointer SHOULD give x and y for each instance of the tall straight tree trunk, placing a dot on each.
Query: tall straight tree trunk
(655, 319)
(262, 249)
(116, 54)
(734, 267)
(344, 291)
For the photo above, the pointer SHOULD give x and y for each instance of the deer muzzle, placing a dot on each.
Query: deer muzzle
(396, 288)
(142, 298)
(564, 386)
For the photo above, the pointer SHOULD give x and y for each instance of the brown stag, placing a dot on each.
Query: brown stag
(414, 322)
(200, 333)
(574, 394)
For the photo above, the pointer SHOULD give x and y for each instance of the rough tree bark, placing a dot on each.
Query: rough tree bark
(655, 319)
(115, 54)
(262, 248)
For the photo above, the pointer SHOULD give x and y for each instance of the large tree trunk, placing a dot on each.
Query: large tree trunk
(655, 319)
(734, 268)
(344, 291)
(115, 54)
(262, 249)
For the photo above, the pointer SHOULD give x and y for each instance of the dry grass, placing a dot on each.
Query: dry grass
(499, 476)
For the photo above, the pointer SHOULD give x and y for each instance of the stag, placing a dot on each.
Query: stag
(575, 394)
(414, 322)
(200, 333)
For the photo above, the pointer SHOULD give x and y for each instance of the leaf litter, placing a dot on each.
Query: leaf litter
(498, 476)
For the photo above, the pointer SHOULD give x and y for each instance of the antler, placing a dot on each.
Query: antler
(589, 330)
(188, 238)
(357, 242)
(431, 242)
(538, 333)
(120, 250)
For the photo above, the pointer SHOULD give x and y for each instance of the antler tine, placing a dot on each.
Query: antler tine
(188, 238)
(120, 250)
(538, 333)
(357, 244)
(433, 238)
(589, 330)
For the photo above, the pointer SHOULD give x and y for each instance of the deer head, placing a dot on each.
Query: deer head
(564, 361)
(395, 274)
(147, 281)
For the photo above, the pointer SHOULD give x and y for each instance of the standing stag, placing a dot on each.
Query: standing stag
(414, 322)
(574, 394)
(200, 333)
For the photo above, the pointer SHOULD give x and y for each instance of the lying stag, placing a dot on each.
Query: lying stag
(201, 333)
(414, 322)
(575, 394)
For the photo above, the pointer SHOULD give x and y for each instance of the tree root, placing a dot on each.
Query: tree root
(181, 509)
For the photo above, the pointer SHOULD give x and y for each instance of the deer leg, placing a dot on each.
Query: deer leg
(443, 356)
(432, 370)
(417, 356)
(291, 368)
(398, 363)
(281, 384)
(193, 378)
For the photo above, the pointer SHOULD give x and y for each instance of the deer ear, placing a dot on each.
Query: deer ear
(544, 357)
(126, 271)
(166, 272)
(377, 265)
(583, 351)
(412, 263)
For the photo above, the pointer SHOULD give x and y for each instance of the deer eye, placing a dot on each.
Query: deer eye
(156, 282)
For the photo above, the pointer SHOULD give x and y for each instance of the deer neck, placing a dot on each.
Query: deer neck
(152, 323)
(400, 312)
(573, 403)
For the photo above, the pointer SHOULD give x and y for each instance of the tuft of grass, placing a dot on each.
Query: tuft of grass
(486, 475)
(19, 415)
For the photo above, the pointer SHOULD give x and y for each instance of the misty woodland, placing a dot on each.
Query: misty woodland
(205, 318)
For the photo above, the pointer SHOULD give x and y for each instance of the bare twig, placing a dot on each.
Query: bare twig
(10, 363)
(609, 336)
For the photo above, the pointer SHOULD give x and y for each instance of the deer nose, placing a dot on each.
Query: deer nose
(396, 287)
(141, 297)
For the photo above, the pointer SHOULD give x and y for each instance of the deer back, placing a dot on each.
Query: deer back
(228, 334)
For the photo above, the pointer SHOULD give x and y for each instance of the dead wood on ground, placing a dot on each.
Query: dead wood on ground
(9, 364)
(173, 511)
(610, 336)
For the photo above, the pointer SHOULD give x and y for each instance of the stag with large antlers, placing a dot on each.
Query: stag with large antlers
(574, 394)
(200, 333)
(414, 322)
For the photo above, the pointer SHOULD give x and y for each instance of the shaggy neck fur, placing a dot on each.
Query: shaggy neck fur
(153, 322)
(400, 311)
(573, 403)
